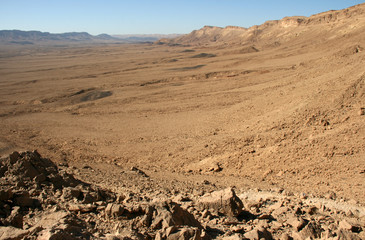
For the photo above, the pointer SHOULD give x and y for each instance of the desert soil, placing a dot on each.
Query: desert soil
(196, 118)
(277, 118)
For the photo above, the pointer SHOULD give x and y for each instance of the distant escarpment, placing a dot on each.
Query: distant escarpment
(325, 25)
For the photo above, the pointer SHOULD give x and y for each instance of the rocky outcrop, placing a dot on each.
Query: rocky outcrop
(225, 202)
(40, 200)
(270, 32)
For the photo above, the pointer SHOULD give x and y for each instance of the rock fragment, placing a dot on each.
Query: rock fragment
(114, 210)
(346, 225)
(12, 233)
(296, 222)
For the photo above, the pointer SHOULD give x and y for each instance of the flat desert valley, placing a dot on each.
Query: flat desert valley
(283, 112)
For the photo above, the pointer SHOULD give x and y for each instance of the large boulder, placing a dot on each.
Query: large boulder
(171, 214)
(223, 201)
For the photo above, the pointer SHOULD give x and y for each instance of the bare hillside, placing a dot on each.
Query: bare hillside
(323, 26)
(278, 108)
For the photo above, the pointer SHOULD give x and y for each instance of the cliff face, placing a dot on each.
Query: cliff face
(327, 24)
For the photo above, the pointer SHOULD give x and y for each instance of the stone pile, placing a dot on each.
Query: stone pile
(40, 200)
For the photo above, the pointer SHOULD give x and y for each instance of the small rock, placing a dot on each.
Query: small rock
(206, 213)
(276, 225)
(310, 210)
(14, 156)
(276, 206)
(311, 230)
(171, 230)
(138, 171)
(347, 235)
(264, 216)
(285, 236)
(81, 208)
(23, 199)
(69, 193)
(233, 237)
(258, 234)
(40, 178)
(330, 195)
(346, 225)
(114, 210)
(10, 233)
(362, 111)
(238, 229)
(296, 222)
(186, 233)
(280, 211)
(15, 219)
(6, 195)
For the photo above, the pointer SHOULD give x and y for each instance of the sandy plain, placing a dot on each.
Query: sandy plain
(283, 117)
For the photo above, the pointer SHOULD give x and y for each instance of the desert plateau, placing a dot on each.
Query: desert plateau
(223, 133)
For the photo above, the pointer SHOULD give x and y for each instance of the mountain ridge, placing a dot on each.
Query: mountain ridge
(273, 31)
(34, 37)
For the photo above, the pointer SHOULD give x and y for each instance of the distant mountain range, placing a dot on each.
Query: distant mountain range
(146, 37)
(36, 37)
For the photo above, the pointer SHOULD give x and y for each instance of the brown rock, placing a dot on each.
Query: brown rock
(114, 210)
(23, 199)
(258, 233)
(69, 193)
(346, 225)
(52, 219)
(224, 201)
(81, 208)
(233, 237)
(15, 219)
(276, 206)
(147, 218)
(12, 233)
(40, 178)
(312, 230)
(171, 214)
(311, 210)
(285, 236)
(296, 222)
(264, 216)
(280, 211)
(347, 235)
(61, 225)
(126, 235)
(252, 235)
(362, 111)
(49, 234)
(6, 195)
(186, 234)
(14, 156)
(238, 229)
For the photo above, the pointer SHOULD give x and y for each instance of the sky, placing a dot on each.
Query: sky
(151, 16)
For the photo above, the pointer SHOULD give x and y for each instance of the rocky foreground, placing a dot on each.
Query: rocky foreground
(40, 200)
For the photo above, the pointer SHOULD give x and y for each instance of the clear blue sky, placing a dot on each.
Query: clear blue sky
(151, 16)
